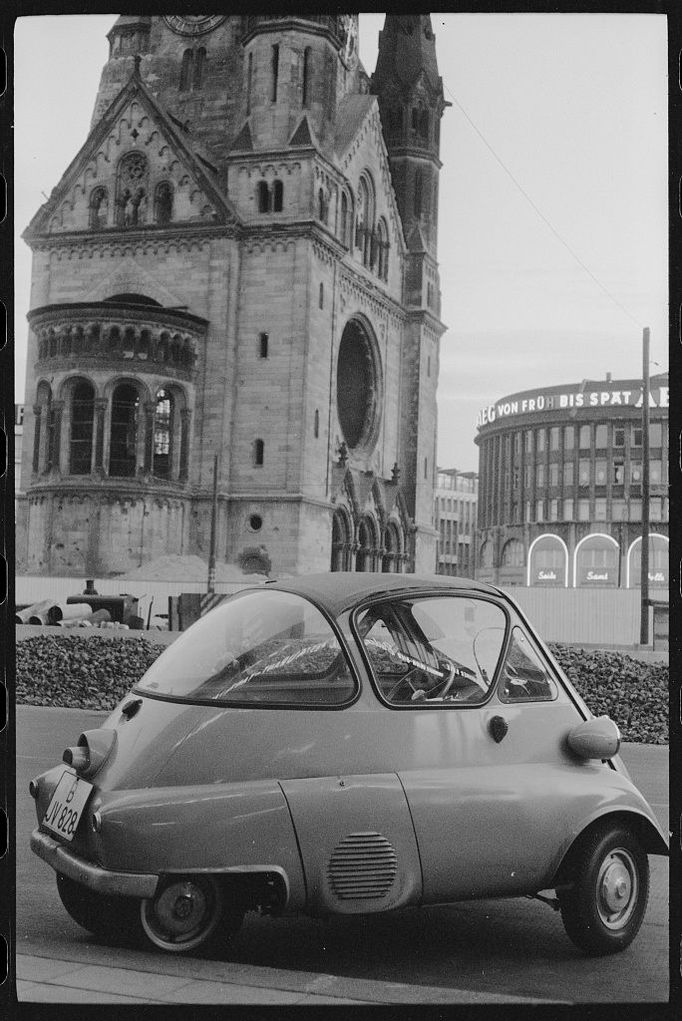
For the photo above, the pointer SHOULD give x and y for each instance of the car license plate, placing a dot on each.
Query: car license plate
(66, 805)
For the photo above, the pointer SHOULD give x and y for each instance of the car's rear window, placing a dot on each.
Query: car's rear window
(266, 647)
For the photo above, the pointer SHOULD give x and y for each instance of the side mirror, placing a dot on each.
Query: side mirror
(597, 738)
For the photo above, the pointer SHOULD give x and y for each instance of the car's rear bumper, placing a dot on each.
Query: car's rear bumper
(64, 861)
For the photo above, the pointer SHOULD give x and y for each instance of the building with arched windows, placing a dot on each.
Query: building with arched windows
(560, 486)
(241, 261)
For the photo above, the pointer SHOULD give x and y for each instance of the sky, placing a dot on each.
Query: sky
(553, 204)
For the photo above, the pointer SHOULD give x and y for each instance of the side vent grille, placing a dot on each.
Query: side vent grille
(363, 866)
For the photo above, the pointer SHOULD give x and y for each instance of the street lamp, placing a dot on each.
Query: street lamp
(644, 572)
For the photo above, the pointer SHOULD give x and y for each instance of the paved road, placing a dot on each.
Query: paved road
(473, 951)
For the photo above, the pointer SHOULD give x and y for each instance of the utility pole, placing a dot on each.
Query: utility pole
(214, 517)
(644, 574)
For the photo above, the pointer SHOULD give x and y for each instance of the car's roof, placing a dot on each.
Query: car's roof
(338, 590)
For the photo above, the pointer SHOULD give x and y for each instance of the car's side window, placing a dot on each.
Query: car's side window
(524, 678)
(436, 651)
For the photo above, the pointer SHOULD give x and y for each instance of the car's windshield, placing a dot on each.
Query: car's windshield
(438, 648)
(265, 647)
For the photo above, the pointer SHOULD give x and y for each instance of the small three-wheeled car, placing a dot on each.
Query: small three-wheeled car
(347, 743)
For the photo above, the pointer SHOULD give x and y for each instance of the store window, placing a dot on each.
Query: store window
(596, 562)
(583, 510)
(554, 438)
(529, 441)
(600, 471)
(517, 443)
(618, 473)
(569, 437)
(540, 475)
(655, 509)
(655, 434)
(528, 476)
(540, 510)
(600, 509)
(619, 437)
(568, 510)
(636, 436)
(554, 474)
(601, 435)
(655, 472)
(635, 510)
(636, 472)
(553, 510)
(540, 440)
(568, 474)
(547, 562)
(585, 437)
(583, 472)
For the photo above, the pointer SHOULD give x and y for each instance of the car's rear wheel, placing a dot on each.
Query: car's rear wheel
(603, 908)
(188, 912)
(111, 919)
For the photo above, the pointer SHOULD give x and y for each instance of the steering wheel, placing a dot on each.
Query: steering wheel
(444, 683)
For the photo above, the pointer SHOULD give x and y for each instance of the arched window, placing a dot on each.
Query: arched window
(258, 453)
(365, 221)
(163, 435)
(199, 62)
(131, 189)
(162, 346)
(163, 202)
(99, 208)
(129, 342)
(512, 554)
(82, 420)
(249, 83)
(418, 192)
(390, 560)
(144, 344)
(277, 195)
(263, 195)
(305, 90)
(186, 70)
(274, 66)
(341, 541)
(344, 219)
(123, 439)
(382, 249)
(486, 555)
(363, 560)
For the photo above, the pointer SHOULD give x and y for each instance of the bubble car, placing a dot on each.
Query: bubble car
(340, 744)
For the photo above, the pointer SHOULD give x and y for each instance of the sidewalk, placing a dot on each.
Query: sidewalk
(163, 980)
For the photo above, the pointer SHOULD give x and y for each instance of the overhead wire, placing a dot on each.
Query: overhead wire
(539, 212)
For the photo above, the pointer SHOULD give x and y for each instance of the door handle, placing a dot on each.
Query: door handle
(498, 727)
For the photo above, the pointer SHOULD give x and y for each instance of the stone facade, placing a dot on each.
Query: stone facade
(235, 265)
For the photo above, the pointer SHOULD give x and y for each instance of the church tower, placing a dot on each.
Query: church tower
(237, 263)
(411, 102)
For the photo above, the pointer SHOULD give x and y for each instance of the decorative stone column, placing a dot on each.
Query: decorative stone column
(37, 414)
(55, 436)
(149, 410)
(98, 438)
(185, 421)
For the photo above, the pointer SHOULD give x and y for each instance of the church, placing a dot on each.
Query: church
(239, 269)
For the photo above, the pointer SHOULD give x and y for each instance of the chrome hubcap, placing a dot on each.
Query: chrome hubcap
(617, 888)
(183, 914)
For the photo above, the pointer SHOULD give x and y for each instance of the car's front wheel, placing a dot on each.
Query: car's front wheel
(188, 912)
(603, 908)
